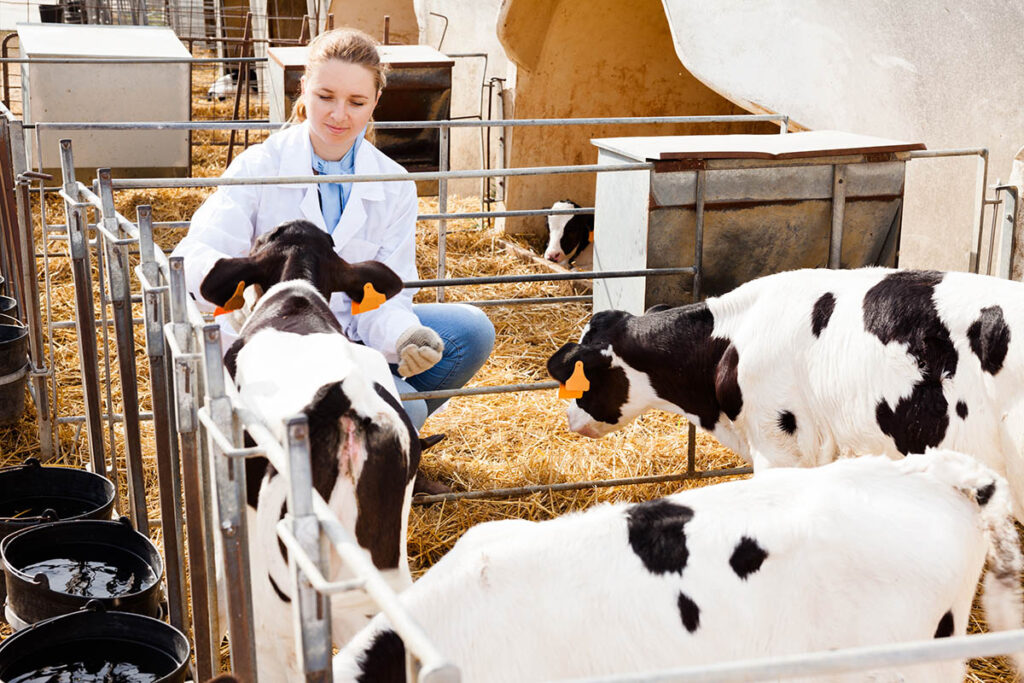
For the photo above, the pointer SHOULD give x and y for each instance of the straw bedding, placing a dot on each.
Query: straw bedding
(496, 441)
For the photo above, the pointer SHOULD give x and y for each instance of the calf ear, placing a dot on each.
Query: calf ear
(350, 278)
(220, 283)
(563, 361)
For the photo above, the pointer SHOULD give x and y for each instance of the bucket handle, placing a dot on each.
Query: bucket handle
(16, 375)
(17, 322)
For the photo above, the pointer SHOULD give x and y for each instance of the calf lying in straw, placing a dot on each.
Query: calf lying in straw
(860, 552)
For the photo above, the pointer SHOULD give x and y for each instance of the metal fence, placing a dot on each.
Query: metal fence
(199, 418)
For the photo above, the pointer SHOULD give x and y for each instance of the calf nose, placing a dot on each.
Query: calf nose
(555, 256)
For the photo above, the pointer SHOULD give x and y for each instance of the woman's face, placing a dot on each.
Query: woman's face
(340, 97)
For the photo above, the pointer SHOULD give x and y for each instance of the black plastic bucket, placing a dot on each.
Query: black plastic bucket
(14, 368)
(57, 568)
(31, 494)
(80, 645)
(8, 304)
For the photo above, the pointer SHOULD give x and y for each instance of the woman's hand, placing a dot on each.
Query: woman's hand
(419, 348)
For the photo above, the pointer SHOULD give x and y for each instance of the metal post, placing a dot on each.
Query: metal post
(835, 244)
(698, 282)
(30, 292)
(85, 315)
(195, 474)
(230, 483)
(1006, 236)
(442, 208)
(167, 471)
(124, 334)
(311, 609)
(974, 258)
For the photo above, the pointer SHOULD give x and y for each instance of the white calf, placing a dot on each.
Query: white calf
(570, 238)
(290, 358)
(801, 367)
(861, 552)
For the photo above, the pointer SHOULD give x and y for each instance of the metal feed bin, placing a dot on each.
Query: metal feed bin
(107, 92)
(419, 88)
(763, 203)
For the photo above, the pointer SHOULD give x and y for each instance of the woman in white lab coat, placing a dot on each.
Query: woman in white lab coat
(430, 346)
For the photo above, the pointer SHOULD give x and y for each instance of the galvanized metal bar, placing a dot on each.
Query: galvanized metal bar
(168, 476)
(835, 240)
(477, 391)
(311, 610)
(107, 382)
(548, 277)
(824, 665)
(993, 228)
(579, 485)
(97, 324)
(394, 125)
(442, 207)
(230, 485)
(524, 302)
(435, 668)
(1006, 236)
(195, 478)
(974, 260)
(81, 274)
(127, 60)
(157, 183)
(124, 334)
(309, 568)
(30, 291)
(698, 287)
(107, 417)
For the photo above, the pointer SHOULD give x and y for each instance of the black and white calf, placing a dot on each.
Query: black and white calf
(569, 237)
(227, 85)
(801, 367)
(864, 551)
(291, 357)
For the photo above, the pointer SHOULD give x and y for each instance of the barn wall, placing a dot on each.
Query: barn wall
(470, 28)
(368, 15)
(591, 58)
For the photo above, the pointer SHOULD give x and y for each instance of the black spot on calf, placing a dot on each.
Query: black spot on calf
(787, 422)
(690, 613)
(945, 628)
(901, 309)
(384, 661)
(984, 494)
(747, 557)
(961, 410)
(657, 535)
(990, 339)
(727, 385)
(822, 312)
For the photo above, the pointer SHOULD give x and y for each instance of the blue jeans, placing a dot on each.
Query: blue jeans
(468, 337)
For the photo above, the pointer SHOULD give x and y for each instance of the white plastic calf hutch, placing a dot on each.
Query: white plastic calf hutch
(748, 205)
(118, 91)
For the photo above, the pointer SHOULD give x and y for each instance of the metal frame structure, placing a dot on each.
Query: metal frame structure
(198, 416)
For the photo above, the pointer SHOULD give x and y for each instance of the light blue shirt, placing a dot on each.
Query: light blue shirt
(334, 196)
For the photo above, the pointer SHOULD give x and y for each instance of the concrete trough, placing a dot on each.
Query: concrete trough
(767, 203)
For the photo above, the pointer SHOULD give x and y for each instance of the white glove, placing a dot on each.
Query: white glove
(418, 348)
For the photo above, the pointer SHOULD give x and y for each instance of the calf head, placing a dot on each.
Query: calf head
(567, 235)
(297, 250)
(611, 402)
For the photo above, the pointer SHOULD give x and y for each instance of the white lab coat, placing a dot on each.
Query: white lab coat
(378, 223)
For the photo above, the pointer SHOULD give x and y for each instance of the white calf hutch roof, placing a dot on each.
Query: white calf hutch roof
(736, 207)
(108, 92)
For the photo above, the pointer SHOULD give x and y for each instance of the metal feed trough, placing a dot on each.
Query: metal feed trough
(198, 417)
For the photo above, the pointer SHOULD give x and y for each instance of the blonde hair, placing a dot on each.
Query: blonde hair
(348, 45)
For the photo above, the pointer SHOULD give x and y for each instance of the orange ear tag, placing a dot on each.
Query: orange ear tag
(234, 303)
(372, 299)
(591, 237)
(576, 384)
